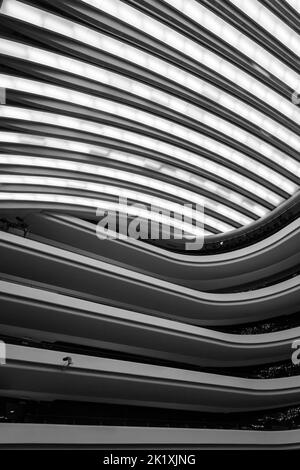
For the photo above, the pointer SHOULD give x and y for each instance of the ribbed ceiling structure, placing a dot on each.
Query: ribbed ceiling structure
(165, 103)
(172, 101)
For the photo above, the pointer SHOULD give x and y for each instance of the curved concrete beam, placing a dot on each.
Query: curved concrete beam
(42, 374)
(42, 315)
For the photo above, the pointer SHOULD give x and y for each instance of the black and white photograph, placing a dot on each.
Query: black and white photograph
(149, 229)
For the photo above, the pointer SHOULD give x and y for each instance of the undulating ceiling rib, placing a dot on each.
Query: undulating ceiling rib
(193, 86)
(294, 4)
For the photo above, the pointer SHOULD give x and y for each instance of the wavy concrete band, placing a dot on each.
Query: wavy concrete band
(38, 313)
(275, 254)
(42, 374)
(34, 435)
(49, 264)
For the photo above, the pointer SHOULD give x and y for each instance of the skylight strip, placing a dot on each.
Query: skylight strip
(233, 37)
(294, 4)
(139, 161)
(144, 141)
(138, 57)
(102, 76)
(100, 204)
(181, 210)
(177, 130)
(129, 177)
(271, 23)
(212, 22)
